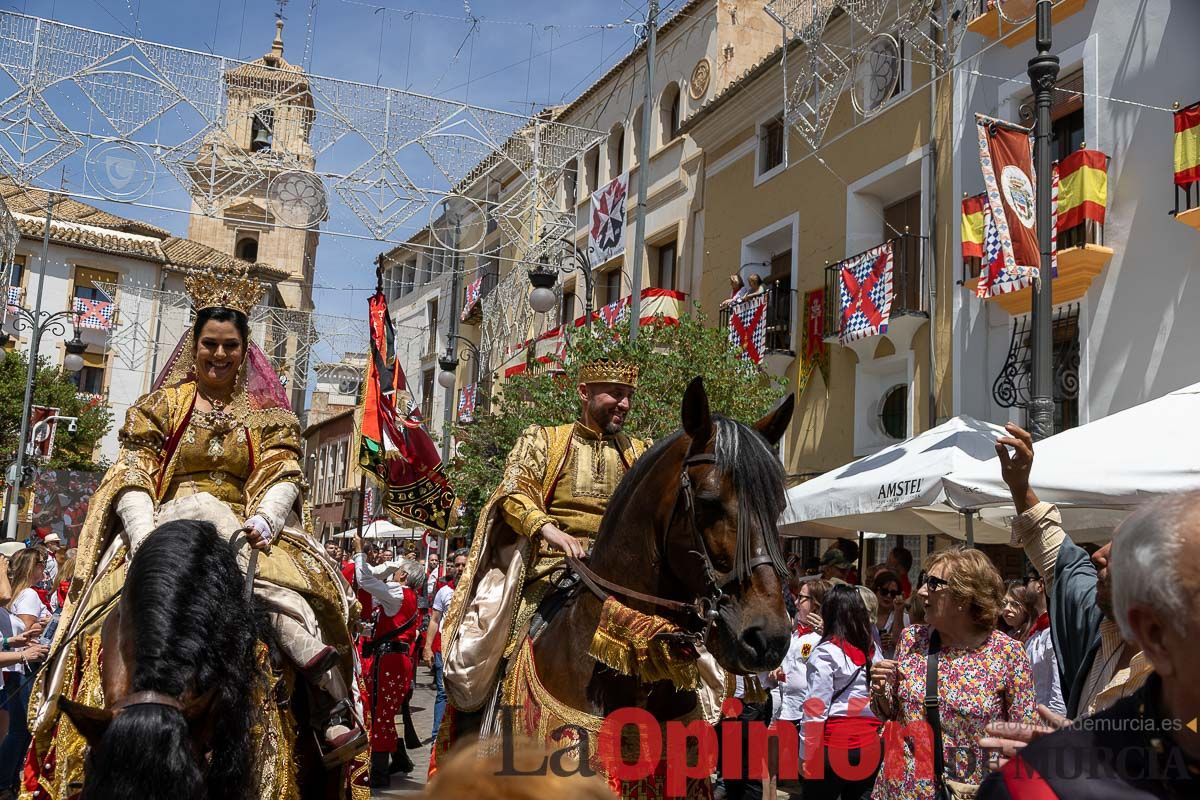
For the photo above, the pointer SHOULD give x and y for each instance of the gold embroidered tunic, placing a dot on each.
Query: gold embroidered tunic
(564, 475)
(172, 451)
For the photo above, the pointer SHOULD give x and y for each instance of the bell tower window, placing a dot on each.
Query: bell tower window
(262, 122)
(247, 249)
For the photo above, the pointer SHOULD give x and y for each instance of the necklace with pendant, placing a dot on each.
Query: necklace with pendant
(220, 422)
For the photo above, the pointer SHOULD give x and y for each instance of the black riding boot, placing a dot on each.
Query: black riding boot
(380, 777)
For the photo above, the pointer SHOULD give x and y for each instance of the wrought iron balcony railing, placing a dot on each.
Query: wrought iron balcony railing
(778, 316)
(909, 297)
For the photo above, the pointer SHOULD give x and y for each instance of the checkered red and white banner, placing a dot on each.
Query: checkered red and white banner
(474, 289)
(748, 327)
(97, 314)
(466, 403)
(866, 293)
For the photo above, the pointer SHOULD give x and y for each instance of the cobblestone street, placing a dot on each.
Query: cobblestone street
(412, 784)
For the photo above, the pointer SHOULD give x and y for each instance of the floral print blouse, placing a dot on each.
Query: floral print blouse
(975, 687)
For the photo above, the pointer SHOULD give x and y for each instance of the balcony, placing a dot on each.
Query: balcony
(777, 354)
(1081, 258)
(909, 309)
(1187, 204)
(987, 22)
(473, 294)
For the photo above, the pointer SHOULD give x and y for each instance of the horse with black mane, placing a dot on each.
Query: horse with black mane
(688, 554)
(180, 661)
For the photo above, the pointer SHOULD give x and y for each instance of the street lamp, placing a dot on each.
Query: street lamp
(543, 278)
(448, 361)
(73, 361)
(1043, 71)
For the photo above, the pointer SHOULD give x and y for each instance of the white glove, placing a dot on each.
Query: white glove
(258, 524)
(136, 510)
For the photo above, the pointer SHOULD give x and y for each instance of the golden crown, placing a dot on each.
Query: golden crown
(223, 288)
(604, 370)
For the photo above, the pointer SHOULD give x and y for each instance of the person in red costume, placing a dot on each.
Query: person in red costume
(387, 655)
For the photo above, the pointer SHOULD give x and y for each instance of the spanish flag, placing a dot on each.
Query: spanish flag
(1187, 145)
(1082, 188)
(972, 226)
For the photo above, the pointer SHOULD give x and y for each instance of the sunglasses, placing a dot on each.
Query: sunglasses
(889, 592)
(935, 584)
(807, 597)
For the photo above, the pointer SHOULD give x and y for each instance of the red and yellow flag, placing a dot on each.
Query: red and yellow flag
(1187, 145)
(972, 226)
(1082, 188)
(393, 447)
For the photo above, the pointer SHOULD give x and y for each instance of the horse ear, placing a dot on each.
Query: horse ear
(697, 420)
(90, 722)
(773, 425)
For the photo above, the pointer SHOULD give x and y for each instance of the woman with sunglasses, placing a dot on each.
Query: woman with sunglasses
(982, 676)
(891, 618)
(792, 675)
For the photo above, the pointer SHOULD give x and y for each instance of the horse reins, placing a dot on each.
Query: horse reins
(147, 698)
(706, 606)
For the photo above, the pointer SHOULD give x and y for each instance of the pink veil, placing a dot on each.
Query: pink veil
(261, 382)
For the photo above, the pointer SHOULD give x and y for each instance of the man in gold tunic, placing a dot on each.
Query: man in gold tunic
(557, 483)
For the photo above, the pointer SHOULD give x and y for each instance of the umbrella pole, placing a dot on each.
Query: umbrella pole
(861, 555)
(970, 529)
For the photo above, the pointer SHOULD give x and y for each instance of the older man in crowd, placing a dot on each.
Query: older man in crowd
(1146, 745)
(1096, 666)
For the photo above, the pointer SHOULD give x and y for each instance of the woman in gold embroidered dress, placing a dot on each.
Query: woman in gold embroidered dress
(215, 440)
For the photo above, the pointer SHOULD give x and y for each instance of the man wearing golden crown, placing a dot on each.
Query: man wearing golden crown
(214, 440)
(557, 484)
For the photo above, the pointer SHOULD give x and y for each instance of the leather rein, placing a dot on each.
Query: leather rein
(706, 606)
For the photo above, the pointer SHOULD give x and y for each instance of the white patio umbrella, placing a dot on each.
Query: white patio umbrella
(382, 529)
(1097, 472)
(899, 490)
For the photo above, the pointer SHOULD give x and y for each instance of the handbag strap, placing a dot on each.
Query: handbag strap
(932, 715)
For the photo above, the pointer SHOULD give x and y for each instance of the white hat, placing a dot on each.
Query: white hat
(52, 538)
(10, 548)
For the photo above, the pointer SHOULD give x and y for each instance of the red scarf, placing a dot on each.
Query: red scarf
(1042, 623)
(803, 630)
(856, 656)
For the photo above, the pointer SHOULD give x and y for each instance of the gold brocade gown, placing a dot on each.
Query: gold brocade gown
(184, 458)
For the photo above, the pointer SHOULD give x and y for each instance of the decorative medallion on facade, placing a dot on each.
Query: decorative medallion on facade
(701, 76)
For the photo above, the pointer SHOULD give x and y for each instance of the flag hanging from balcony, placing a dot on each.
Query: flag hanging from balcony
(748, 327)
(1006, 158)
(393, 447)
(973, 225)
(1187, 145)
(606, 236)
(471, 300)
(866, 293)
(614, 312)
(1082, 188)
(96, 314)
(14, 298)
(466, 403)
(814, 325)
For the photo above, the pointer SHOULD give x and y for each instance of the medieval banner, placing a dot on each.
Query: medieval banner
(748, 327)
(606, 236)
(393, 447)
(1006, 158)
(866, 293)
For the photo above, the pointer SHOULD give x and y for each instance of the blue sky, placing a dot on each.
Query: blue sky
(378, 41)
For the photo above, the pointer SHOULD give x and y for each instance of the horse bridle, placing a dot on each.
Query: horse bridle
(705, 607)
(147, 698)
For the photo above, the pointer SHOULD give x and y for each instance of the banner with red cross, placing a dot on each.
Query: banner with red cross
(615, 311)
(466, 403)
(866, 293)
(474, 290)
(748, 327)
(96, 314)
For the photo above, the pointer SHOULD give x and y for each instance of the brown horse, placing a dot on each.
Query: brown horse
(181, 658)
(693, 523)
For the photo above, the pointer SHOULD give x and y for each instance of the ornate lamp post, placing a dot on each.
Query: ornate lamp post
(448, 361)
(37, 323)
(1043, 71)
(543, 278)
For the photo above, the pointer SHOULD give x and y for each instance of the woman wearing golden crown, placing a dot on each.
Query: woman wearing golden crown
(214, 440)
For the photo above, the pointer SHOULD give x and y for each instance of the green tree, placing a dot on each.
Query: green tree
(669, 357)
(51, 388)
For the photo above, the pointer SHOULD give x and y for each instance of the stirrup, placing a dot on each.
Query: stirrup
(344, 748)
